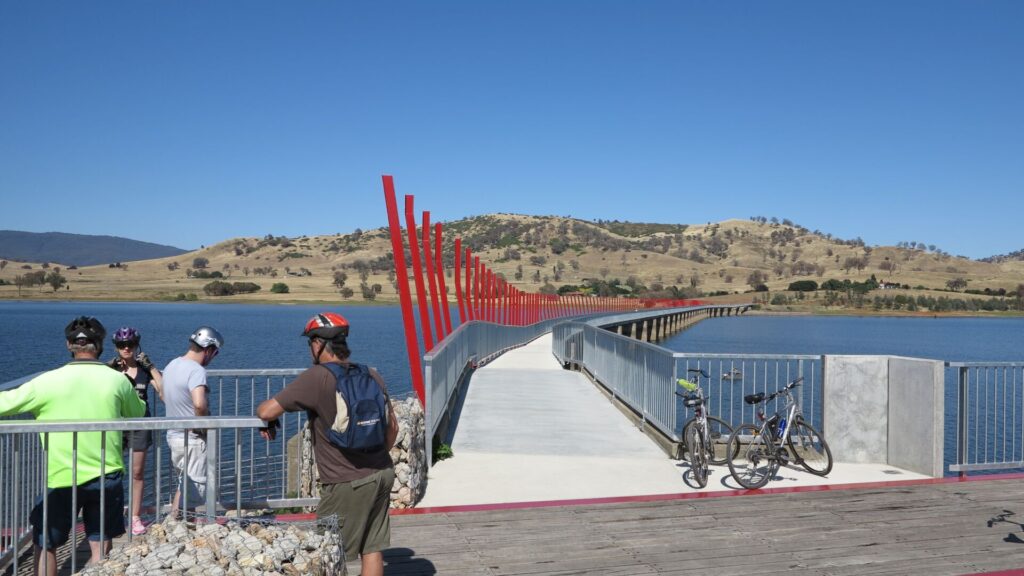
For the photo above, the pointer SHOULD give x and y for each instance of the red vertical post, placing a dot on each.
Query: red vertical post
(417, 269)
(428, 260)
(442, 287)
(402, 282)
(469, 285)
(476, 289)
(458, 281)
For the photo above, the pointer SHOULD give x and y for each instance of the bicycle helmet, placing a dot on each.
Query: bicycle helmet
(326, 325)
(126, 334)
(86, 328)
(205, 336)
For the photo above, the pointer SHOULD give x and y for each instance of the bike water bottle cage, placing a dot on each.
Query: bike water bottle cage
(691, 386)
(754, 398)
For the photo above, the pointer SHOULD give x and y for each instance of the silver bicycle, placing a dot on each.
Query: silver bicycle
(757, 451)
(702, 434)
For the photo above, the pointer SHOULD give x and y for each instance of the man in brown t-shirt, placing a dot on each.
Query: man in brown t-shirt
(355, 486)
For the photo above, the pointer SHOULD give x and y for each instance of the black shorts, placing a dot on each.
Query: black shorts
(137, 440)
(59, 511)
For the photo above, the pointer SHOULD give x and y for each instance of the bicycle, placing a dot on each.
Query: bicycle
(756, 453)
(701, 433)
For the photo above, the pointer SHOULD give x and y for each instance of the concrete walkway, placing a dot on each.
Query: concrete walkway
(530, 431)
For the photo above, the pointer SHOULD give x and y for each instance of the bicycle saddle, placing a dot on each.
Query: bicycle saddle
(692, 400)
(754, 398)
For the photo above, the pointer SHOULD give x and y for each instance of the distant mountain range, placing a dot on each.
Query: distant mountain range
(78, 249)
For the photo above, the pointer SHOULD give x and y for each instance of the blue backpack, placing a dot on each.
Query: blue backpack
(367, 409)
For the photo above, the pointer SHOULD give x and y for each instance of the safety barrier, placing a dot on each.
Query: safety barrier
(989, 418)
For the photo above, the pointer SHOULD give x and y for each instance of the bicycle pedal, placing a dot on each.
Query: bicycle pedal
(783, 457)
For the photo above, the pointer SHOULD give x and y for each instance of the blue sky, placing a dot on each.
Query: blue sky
(187, 123)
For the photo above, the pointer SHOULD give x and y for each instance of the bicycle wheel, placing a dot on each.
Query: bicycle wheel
(751, 460)
(809, 448)
(718, 439)
(698, 456)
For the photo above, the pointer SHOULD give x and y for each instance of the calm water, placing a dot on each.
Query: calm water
(950, 339)
(256, 336)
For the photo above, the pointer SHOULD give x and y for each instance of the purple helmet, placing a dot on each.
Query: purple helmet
(126, 334)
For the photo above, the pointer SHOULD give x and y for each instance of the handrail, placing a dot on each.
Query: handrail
(24, 453)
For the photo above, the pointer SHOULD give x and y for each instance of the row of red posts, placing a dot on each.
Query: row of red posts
(481, 294)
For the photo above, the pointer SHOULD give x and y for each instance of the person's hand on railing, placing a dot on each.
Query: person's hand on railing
(270, 432)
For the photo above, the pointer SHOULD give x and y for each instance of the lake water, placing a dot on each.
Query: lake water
(256, 336)
(950, 339)
(267, 336)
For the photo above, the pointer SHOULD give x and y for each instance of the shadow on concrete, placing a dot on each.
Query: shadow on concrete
(403, 561)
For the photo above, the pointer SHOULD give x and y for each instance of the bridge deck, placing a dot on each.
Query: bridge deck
(531, 431)
(933, 528)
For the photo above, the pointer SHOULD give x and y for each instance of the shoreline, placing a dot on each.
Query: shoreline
(384, 303)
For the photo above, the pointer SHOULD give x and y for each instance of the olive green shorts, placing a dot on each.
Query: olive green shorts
(362, 510)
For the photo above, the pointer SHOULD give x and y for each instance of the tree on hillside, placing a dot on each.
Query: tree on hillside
(3, 264)
(756, 278)
(956, 284)
(55, 280)
(200, 262)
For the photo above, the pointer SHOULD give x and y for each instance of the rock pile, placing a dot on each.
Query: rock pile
(409, 454)
(232, 549)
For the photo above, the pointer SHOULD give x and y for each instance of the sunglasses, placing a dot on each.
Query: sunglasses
(124, 345)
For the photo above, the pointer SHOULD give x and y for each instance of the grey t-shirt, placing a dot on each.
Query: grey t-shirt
(181, 377)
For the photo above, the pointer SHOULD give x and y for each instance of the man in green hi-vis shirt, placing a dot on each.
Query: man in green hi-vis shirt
(83, 389)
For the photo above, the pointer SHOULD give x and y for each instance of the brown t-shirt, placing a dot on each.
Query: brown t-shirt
(314, 392)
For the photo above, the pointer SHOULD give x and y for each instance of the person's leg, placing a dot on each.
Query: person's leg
(58, 527)
(372, 563)
(138, 481)
(46, 564)
(377, 529)
(94, 550)
(177, 449)
(108, 504)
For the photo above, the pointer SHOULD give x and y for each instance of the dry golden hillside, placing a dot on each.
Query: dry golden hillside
(534, 253)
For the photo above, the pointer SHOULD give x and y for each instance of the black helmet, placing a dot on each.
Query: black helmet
(86, 328)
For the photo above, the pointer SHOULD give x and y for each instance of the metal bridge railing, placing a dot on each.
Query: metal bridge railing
(24, 450)
(643, 376)
(268, 474)
(989, 417)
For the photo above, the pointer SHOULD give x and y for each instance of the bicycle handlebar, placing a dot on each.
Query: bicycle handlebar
(699, 371)
(785, 389)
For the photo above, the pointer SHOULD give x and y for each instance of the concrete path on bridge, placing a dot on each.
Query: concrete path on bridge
(530, 431)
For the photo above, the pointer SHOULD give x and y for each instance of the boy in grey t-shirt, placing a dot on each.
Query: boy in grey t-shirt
(185, 395)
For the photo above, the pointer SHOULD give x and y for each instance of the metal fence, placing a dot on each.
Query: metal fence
(988, 424)
(24, 450)
(258, 478)
(643, 376)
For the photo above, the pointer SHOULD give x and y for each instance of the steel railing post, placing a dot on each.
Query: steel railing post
(213, 472)
(961, 449)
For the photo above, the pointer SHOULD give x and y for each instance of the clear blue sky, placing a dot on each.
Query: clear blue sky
(187, 123)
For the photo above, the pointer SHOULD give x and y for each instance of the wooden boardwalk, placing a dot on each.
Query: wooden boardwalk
(936, 527)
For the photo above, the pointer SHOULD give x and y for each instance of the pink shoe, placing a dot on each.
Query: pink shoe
(138, 527)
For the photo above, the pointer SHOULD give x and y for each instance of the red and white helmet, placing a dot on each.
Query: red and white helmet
(326, 325)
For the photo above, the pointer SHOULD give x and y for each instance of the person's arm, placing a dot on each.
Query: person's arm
(269, 411)
(21, 399)
(202, 407)
(157, 379)
(392, 427)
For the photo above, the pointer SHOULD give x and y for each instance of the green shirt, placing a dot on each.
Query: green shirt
(80, 390)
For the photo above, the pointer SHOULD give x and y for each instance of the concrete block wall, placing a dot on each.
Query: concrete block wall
(885, 410)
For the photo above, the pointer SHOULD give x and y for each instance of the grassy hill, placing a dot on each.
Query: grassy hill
(725, 259)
